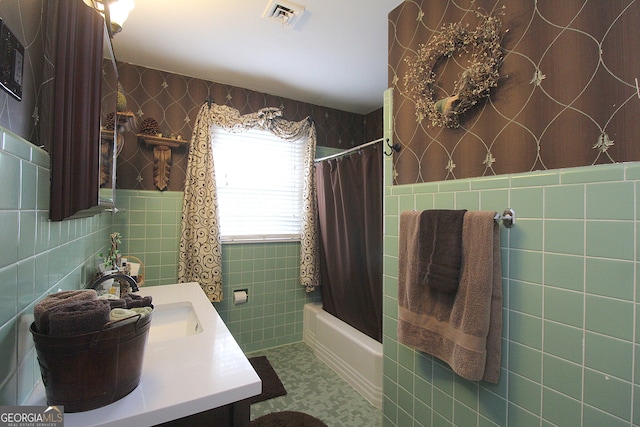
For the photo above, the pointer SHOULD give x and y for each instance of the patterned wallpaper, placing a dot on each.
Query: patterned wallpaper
(373, 128)
(174, 100)
(567, 95)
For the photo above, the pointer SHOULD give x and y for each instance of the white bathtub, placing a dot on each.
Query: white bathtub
(356, 357)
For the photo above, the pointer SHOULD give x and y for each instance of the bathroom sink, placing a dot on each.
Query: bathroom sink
(174, 320)
(213, 370)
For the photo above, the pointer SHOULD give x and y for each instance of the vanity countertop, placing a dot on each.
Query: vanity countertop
(181, 376)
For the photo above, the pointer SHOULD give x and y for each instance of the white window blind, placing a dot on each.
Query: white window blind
(259, 178)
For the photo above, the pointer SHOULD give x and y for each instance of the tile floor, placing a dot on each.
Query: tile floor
(315, 389)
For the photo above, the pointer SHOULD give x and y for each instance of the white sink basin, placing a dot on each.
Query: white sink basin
(173, 321)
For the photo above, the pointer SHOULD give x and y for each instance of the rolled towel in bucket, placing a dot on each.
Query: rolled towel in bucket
(58, 298)
(142, 310)
(123, 316)
(121, 313)
(133, 300)
(114, 301)
(77, 317)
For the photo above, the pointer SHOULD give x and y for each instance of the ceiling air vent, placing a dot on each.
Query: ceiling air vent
(284, 12)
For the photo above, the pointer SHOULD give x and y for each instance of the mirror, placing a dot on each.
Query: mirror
(110, 139)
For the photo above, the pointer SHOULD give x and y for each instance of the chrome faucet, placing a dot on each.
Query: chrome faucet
(132, 282)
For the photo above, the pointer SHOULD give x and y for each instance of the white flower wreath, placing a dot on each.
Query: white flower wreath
(484, 43)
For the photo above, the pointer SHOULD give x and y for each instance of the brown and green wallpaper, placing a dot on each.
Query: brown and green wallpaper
(174, 101)
(567, 95)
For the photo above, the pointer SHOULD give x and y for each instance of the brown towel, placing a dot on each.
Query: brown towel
(445, 255)
(462, 329)
(117, 303)
(433, 247)
(76, 318)
(134, 301)
(58, 298)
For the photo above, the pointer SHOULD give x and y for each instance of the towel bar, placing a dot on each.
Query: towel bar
(508, 217)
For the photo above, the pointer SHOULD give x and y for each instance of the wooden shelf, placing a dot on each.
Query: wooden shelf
(161, 157)
(161, 141)
(126, 119)
(107, 134)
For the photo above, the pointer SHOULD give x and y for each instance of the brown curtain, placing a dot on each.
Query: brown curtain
(71, 124)
(349, 191)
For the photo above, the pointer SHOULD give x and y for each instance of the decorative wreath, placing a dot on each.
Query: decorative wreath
(475, 82)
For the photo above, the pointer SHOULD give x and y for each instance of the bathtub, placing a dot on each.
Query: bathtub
(356, 357)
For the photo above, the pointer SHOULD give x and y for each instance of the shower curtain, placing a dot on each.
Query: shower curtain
(349, 192)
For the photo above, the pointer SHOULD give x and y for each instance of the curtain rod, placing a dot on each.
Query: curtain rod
(350, 150)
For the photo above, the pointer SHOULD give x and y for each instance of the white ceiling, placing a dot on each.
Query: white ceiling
(334, 56)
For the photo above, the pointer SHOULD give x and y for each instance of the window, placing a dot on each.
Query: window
(259, 178)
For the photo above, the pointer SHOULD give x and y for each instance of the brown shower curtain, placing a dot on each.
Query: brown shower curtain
(349, 191)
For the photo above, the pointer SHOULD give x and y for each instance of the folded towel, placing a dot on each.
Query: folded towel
(433, 247)
(462, 329)
(76, 318)
(114, 301)
(58, 298)
(133, 300)
(123, 316)
(127, 301)
(121, 313)
(117, 303)
(143, 311)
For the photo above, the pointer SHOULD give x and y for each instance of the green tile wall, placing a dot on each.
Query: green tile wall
(150, 225)
(269, 272)
(52, 256)
(149, 222)
(570, 338)
(38, 257)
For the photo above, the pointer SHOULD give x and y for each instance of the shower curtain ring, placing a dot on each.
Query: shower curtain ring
(394, 147)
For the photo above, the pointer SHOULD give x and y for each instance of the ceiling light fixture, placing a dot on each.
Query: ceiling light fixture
(115, 12)
(119, 13)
